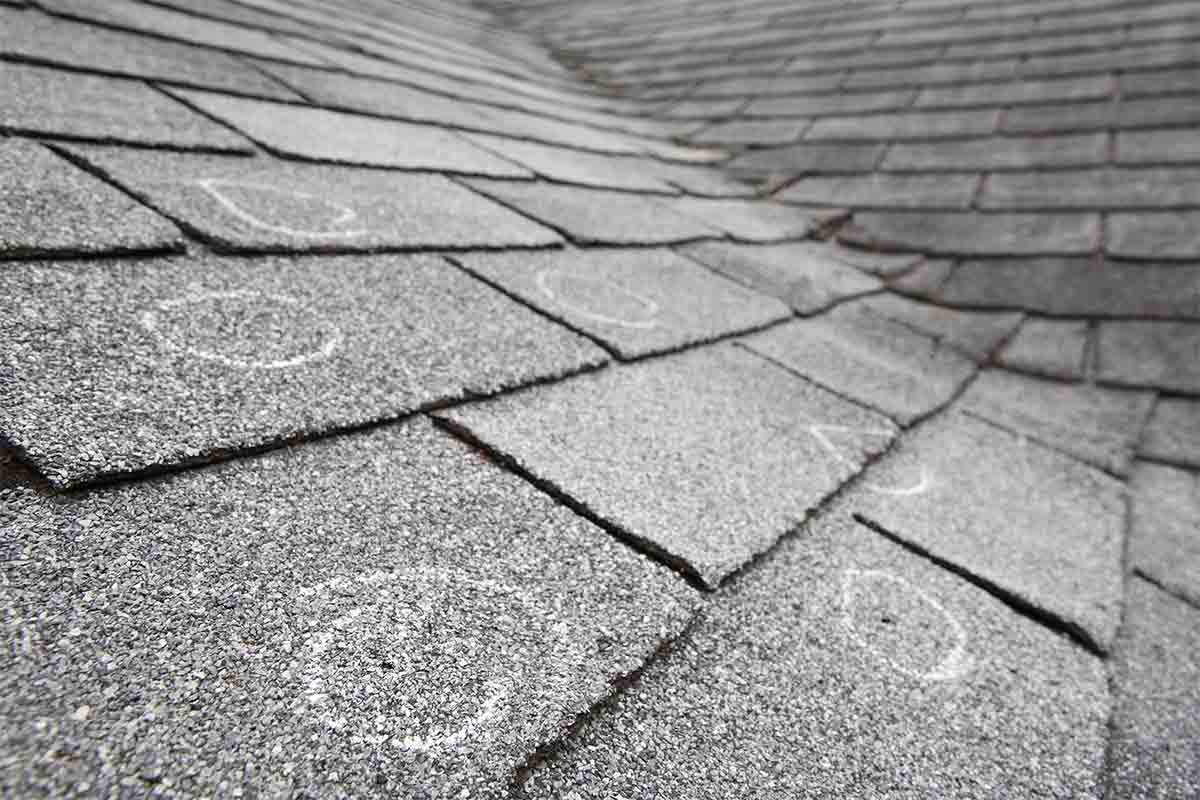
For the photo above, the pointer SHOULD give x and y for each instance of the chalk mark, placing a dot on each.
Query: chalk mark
(957, 663)
(347, 215)
(149, 320)
(924, 483)
(652, 308)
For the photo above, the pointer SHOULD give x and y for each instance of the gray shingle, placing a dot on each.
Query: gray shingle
(983, 499)
(1165, 529)
(976, 333)
(265, 204)
(1156, 721)
(186, 358)
(845, 666)
(751, 221)
(596, 216)
(707, 457)
(48, 206)
(378, 615)
(1168, 146)
(576, 166)
(1126, 188)
(804, 275)
(998, 152)
(1173, 433)
(911, 125)
(636, 302)
(870, 359)
(886, 191)
(1150, 353)
(57, 103)
(975, 234)
(38, 37)
(1154, 235)
(1096, 425)
(320, 135)
(1054, 348)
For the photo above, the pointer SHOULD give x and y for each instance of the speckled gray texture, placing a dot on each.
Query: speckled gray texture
(271, 204)
(598, 216)
(33, 35)
(845, 667)
(882, 264)
(1091, 423)
(976, 333)
(707, 456)
(636, 302)
(1165, 529)
(49, 206)
(1173, 432)
(750, 221)
(1055, 348)
(53, 102)
(574, 166)
(1156, 725)
(378, 616)
(1039, 526)
(870, 359)
(804, 275)
(317, 134)
(120, 366)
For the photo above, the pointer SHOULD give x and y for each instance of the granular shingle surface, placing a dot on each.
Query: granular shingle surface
(635, 302)
(378, 616)
(708, 457)
(271, 205)
(847, 667)
(880, 321)
(185, 357)
(49, 206)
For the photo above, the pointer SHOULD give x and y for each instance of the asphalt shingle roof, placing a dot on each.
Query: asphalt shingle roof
(600, 398)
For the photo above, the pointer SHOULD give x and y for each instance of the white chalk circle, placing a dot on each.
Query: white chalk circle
(922, 484)
(334, 216)
(395, 670)
(586, 296)
(857, 585)
(243, 328)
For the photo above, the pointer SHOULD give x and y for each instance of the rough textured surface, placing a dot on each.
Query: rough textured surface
(1173, 432)
(1143, 353)
(1165, 530)
(338, 616)
(187, 357)
(62, 104)
(270, 205)
(321, 135)
(48, 206)
(878, 362)
(847, 667)
(708, 457)
(1156, 724)
(978, 334)
(634, 302)
(806, 276)
(1097, 425)
(594, 216)
(984, 500)
(34, 36)
(1053, 348)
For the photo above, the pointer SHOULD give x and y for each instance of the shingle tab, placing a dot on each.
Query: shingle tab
(870, 359)
(1094, 424)
(1150, 353)
(265, 204)
(340, 615)
(1055, 348)
(1173, 432)
(998, 153)
(636, 302)
(707, 457)
(56, 103)
(1174, 235)
(982, 499)
(846, 666)
(575, 166)
(806, 276)
(1165, 528)
(48, 206)
(30, 35)
(187, 358)
(975, 234)
(320, 135)
(596, 216)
